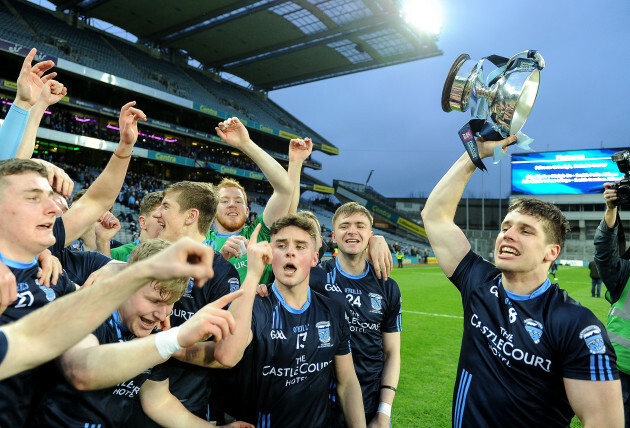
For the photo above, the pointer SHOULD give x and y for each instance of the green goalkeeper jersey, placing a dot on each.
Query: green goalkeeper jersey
(216, 241)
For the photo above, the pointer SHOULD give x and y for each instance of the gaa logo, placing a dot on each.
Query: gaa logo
(278, 334)
(333, 287)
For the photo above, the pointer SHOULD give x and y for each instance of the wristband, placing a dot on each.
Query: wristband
(166, 342)
(385, 409)
(388, 387)
(122, 157)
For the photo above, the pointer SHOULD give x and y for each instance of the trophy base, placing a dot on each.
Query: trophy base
(450, 79)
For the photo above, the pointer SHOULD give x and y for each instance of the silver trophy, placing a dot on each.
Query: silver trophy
(500, 100)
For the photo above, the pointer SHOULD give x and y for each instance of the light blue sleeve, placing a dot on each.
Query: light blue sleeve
(12, 131)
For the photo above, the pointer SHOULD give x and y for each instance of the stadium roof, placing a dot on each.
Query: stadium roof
(271, 44)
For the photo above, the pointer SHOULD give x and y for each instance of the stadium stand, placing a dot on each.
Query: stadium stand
(63, 36)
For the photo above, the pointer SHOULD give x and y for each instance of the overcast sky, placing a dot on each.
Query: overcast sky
(390, 119)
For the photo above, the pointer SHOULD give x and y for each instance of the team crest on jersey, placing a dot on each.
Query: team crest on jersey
(323, 332)
(534, 328)
(50, 295)
(234, 284)
(376, 300)
(592, 336)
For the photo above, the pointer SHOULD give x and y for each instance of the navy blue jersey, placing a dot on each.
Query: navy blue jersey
(373, 307)
(294, 352)
(79, 265)
(16, 392)
(188, 382)
(516, 350)
(108, 407)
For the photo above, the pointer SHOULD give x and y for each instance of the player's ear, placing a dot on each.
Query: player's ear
(332, 234)
(192, 215)
(552, 252)
(142, 222)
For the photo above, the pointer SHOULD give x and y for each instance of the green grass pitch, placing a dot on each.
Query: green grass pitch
(432, 329)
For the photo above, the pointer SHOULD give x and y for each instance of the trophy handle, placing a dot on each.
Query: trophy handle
(448, 84)
(513, 58)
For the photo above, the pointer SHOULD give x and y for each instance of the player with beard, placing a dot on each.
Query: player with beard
(106, 370)
(298, 337)
(232, 212)
(530, 355)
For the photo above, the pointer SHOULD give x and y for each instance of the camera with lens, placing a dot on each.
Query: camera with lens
(622, 159)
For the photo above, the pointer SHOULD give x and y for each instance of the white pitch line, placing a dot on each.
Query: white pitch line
(434, 315)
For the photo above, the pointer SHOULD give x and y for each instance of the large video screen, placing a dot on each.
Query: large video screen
(572, 172)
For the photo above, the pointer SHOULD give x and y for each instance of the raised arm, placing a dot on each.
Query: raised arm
(102, 194)
(29, 85)
(299, 151)
(349, 391)
(447, 240)
(51, 93)
(229, 351)
(234, 133)
(105, 229)
(70, 318)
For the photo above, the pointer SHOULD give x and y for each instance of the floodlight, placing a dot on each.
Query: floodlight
(423, 15)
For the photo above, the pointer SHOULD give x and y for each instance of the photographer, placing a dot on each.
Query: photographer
(615, 272)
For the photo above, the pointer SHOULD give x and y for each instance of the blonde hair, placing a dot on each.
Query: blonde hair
(350, 208)
(173, 289)
(312, 217)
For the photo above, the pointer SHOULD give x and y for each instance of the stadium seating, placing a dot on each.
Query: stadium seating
(102, 52)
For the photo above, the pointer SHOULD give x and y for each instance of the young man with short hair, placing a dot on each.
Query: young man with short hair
(531, 355)
(106, 370)
(187, 210)
(297, 336)
(149, 227)
(28, 214)
(373, 310)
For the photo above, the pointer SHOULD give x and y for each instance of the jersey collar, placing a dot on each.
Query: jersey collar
(17, 265)
(537, 292)
(347, 275)
(226, 235)
(286, 306)
(120, 329)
